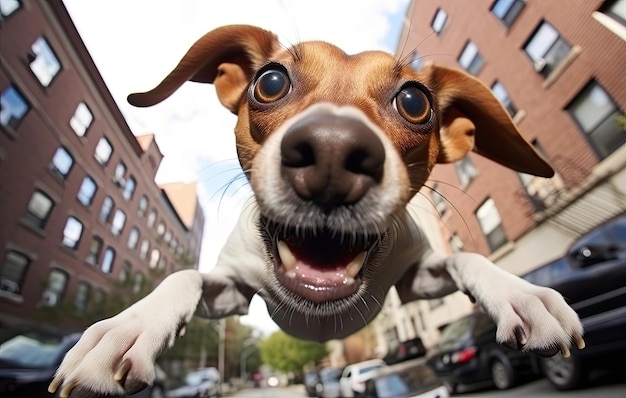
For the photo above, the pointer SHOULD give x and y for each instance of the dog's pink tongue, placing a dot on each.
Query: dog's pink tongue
(316, 276)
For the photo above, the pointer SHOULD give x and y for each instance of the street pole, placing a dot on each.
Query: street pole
(221, 347)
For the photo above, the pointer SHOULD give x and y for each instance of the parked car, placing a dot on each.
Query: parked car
(199, 383)
(408, 349)
(311, 380)
(328, 385)
(352, 382)
(469, 354)
(592, 277)
(409, 379)
(30, 357)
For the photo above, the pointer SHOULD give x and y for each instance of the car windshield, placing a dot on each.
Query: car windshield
(455, 331)
(31, 351)
(409, 381)
(331, 374)
(194, 378)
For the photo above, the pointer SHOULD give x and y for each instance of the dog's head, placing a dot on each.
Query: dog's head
(335, 146)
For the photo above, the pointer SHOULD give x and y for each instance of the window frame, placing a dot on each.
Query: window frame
(103, 162)
(108, 262)
(510, 105)
(82, 304)
(82, 197)
(4, 16)
(616, 111)
(460, 169)
(476, 68)
(59, 294)
(65, 236)
(134, 232)
(492, 243)
(22, 268)
(540, 65)
(32, 57)
(76, 122)
(93, 258)
(117, 230)
(14, 122)
(54, 167)
(109, 212)
(440, 11)
(128, 193)
(32, 217)
(511, 14)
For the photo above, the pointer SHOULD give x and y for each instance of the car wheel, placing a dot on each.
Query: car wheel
(502, 375)
(450, 386)
(565, 373)
(156, 392)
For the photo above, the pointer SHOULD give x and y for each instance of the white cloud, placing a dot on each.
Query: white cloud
(136, 43)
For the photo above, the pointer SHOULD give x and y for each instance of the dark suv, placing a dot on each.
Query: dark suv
(592, 278)
(469, 354)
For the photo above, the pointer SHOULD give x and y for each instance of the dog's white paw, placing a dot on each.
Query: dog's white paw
(537, 319)
(113, 357)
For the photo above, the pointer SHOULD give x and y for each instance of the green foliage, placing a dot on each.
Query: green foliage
(288, 354)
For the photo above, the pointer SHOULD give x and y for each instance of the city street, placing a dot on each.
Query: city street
(609, 386)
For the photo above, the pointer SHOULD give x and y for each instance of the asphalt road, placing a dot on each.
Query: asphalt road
(600, 386)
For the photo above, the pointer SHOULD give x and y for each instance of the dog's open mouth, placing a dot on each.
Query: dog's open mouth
(319, 265)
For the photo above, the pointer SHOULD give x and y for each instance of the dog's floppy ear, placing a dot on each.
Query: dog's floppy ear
(226, 57)
(474, 119)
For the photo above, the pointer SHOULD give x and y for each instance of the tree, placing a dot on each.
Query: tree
(288, 354)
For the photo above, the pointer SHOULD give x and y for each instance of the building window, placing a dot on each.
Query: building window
(416, 61)
(546, 48)
(62, 162)
(13, 272)
(124, 272)
(81, 120)
(129, 188)
(465, 170)
(503, 96)
(106, 209)
(507, 11)
(491, 224)
(138, 283)
(133, 238)
(117, 225)
(103, 152)
(107, 260)
(82, 295)
(143, 206)
(598, 117)
(39, 209)
(8, 7)
(542, 192)
(151, 218)
(43, 61)
(118, 175)
(160, 229)
(470, 59)
(439, 201)
(143, 250)
(154, 258)
(87, 191)
(72, 232)
(168, 237)
(456, 244)
(439, 21)
(13, 107)
(173, 245)
(57, 282)
(94, 250)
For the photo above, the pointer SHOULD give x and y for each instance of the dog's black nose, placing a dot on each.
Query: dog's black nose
(331, 160)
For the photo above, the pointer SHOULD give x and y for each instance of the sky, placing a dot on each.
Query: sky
(135, 43)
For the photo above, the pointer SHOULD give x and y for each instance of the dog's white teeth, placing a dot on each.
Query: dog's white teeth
(290, 274)
(355, 265)
(348, 281)
(286, 256)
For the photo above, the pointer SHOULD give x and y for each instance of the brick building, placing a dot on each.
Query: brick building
(558, 68)
(80, 213)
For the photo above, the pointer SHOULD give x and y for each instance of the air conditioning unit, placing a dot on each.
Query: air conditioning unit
(49, 299)
(540, 65)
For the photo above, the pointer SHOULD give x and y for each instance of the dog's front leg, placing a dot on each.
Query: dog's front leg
(529, 317)
(116, 355)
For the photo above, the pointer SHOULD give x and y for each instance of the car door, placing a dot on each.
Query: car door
(344, 382)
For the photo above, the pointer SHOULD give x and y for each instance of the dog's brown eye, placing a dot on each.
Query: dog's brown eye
(271, 86)
(413, 105)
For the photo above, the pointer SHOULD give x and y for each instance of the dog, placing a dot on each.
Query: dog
(334, 146)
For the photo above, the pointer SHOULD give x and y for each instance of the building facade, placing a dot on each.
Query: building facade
(82, 221)
(558, 69)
